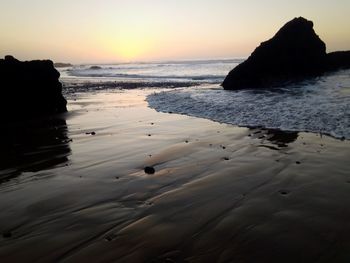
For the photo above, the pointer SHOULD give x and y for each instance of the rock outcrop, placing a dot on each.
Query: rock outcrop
(338, 60)
(62, 65)
(294, 53)
(29, 89)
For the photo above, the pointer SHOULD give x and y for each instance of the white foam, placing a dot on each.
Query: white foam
(321, 105)
(204, 71)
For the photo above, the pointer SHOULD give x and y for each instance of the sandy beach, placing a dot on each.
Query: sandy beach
(219, 193)
(175, 131)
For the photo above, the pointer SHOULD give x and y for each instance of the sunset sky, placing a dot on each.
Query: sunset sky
(81, 31)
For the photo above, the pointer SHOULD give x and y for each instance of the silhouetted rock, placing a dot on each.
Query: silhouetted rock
(95, 67)
(293, 54)
(338, 60)
(62, 65)
(29, 89)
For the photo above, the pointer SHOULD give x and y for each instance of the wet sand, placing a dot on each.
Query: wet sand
(219, 193)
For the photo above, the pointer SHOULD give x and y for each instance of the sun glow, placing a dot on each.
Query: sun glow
(128, 45)
(130, 49)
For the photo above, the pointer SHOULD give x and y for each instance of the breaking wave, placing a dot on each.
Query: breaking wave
(321, 105)
(204, 71)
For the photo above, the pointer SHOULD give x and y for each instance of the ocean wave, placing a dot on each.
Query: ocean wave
(206, 71)
(320, 106)
(96, 74)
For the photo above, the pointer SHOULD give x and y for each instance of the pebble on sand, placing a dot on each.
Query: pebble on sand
(149, 170)
(7, 235)
(284, 192)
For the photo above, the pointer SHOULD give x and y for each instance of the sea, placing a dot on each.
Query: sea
(193, 87)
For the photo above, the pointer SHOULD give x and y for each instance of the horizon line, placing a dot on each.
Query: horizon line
(155, 61)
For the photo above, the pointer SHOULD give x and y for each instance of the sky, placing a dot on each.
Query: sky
(107, 31)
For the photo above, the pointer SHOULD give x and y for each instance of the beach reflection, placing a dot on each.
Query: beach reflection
(33, 146)
(275, 136)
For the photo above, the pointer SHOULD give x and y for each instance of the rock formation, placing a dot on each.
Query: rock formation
(62, 65)
(29, 89)
(293, 54)
(338, 60)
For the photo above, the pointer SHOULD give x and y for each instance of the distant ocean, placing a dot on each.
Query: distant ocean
(193, 88)
(203, 71)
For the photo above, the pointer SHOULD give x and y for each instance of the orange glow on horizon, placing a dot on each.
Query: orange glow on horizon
(91, 31)
(128, 48)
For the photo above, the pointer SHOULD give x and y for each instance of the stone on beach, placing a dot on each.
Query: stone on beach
(149, 170)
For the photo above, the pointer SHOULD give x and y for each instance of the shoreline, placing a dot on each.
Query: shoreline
(219, 192)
